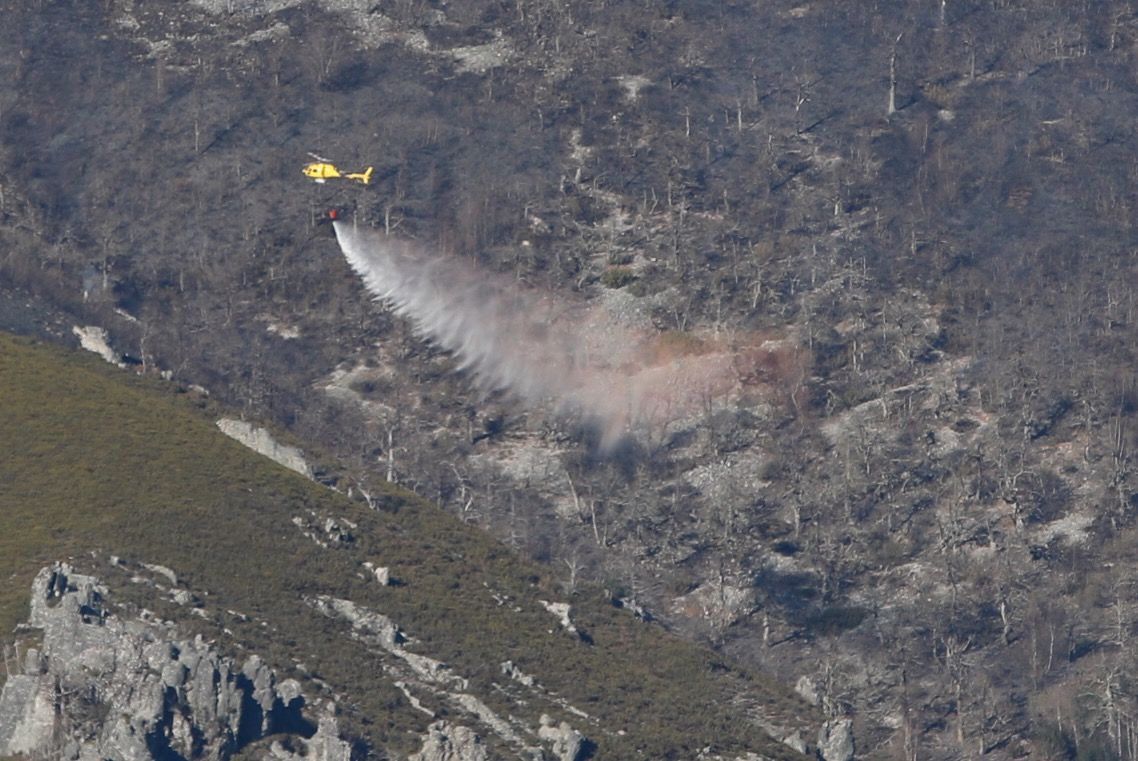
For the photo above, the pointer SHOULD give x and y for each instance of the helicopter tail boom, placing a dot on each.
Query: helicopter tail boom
(364, 177)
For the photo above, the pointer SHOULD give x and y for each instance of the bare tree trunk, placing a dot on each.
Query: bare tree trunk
(391, 455)
(893, 76)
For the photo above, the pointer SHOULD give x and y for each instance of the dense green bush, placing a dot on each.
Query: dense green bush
(617, 277)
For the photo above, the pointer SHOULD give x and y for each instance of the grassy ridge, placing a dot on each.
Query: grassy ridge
(95, 459)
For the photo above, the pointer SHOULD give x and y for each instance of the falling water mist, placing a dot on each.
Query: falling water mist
(543, 349)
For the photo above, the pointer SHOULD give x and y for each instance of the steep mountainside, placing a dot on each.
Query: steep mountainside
(224, 580)
(901, 230)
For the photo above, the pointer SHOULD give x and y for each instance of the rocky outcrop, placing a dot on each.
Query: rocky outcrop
(368, 626)
(329, 533)
(381, 573)
(562, 611)
(262, 442)
(835, 740)
(26, 714)
(450, 742)
(566, 742)
(807, 690)
(106, 686)
(325, 745)
(94, 339)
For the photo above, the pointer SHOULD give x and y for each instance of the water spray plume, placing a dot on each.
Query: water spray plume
(543, 349)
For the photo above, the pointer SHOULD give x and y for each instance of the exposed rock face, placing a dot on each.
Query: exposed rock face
(450, 740)
(95, 339)
(262, 442)
(808, 690)
(371, 627)
(835, 740)
(325, 745)
(562, 611)
(719, 604)
(512, 671)
(447, 742)
(382, 573)
(132, 689)
(26, 715)
(565, 740)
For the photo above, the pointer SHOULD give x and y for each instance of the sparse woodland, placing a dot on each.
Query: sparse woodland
(923, 503)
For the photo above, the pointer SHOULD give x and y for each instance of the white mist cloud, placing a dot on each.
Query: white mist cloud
(543, 349)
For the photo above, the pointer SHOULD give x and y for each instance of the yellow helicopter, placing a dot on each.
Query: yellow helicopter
(322, 169)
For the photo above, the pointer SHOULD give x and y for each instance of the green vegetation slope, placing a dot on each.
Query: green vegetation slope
(98, 462)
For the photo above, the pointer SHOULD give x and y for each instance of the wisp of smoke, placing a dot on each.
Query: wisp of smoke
(543, 349)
